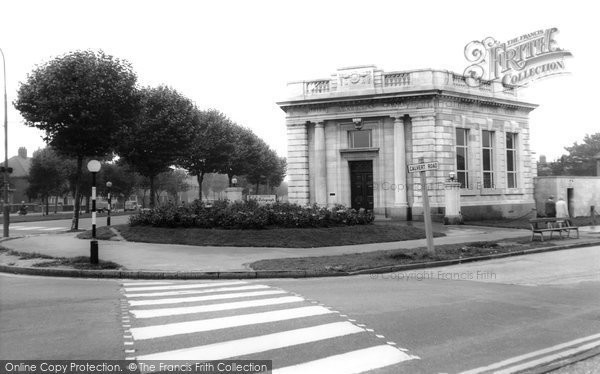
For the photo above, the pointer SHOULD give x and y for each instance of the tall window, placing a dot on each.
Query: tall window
(487, 149)
(359, 138)
(462, 161)
(511, 159)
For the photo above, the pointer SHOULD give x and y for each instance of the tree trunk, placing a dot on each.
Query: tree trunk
(230, 177)
(152, 192)
(200, 178)
(257, 184)
(56, 205)
(75, 222)
(87, 204)
(47, 204)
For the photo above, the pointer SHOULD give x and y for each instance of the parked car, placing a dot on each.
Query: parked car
(132, 205)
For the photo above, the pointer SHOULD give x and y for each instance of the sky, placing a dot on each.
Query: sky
(237, 56)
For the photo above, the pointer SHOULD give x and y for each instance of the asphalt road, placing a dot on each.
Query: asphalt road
(60, 225)
(453, 319)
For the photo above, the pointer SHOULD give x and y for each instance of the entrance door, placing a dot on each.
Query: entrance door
(571, 202)
(361, 184)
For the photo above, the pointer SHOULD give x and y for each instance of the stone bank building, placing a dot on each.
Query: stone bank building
(352, 135)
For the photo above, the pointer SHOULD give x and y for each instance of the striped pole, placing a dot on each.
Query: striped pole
(94, 242)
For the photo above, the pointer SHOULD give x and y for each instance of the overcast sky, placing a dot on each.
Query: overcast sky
(236, 56)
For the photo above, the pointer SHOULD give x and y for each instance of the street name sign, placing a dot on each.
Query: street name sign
(424, 166)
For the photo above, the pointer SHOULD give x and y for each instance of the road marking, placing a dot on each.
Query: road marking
(23, 228)
(549, 358)
(54, 228)
(142, 333)
(145, 284)
(252, 345)
(183, 286)
(151, 313)
(179, 300)
(351, 362)
(517, 359)
(191, 292)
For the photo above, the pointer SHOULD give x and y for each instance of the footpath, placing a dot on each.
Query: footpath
(180, 261)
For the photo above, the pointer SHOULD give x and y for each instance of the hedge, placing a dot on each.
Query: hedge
(249, 215)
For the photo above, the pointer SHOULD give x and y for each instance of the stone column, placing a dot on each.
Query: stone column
(320, 165)
(400, 199)
(297, 163)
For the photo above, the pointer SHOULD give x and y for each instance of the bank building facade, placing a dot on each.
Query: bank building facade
(352, 136)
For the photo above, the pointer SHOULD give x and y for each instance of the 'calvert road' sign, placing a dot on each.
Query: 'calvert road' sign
(425, 166)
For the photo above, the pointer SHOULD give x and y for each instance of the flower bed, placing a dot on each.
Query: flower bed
(249, 215)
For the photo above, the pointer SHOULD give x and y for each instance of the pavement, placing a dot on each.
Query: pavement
(185, 258)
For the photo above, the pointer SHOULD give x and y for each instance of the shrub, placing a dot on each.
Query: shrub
(249, 215)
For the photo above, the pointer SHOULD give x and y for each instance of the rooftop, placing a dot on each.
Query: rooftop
(367, 81)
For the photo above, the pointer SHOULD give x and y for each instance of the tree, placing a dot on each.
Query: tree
(211, 146)
(269, 170)
(47, 176)
(161, 135)
(172, 182)
(81, 100)
(246, 153)
(579, 160)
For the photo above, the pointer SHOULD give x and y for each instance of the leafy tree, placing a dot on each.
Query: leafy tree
(161, 135)
(81, 100)
(579, 160)
(47, 176)
(211, 146)
(269, 169)
(246, 153)
(172, 182)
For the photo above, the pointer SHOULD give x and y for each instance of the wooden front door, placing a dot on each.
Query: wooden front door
(361, 184)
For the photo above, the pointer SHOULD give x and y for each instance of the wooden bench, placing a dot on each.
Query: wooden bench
(551, 225)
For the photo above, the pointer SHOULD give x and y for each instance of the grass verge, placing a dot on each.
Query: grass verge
(275, 237)
(368, 260)
(102, 233)
(80, 262)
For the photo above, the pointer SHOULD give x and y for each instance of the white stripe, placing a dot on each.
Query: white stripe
(146, 283)
(23, 228)
(184, 286)
(351, 362)
(516, 359)
(194, 299)
(191, 292)
(54, 228)
(219, 351)
(142, 333)
(150, 313)
(550, 358)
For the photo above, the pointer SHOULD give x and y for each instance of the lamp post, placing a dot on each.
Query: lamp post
(108, 185)
(6, 205)
(94, 167)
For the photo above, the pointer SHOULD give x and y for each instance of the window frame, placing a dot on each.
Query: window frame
(351, 138)
(515, 164)
(487, 174)
(462, 175)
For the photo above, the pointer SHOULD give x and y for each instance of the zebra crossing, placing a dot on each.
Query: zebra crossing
(233, 319)
(36, 228)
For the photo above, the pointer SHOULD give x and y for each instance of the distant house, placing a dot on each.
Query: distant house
(18, 178)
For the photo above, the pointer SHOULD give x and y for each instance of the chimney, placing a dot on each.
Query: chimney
(22, 152)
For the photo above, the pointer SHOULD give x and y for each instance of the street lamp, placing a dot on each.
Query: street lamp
(108, 185)
(6, 205)
(94, 167)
